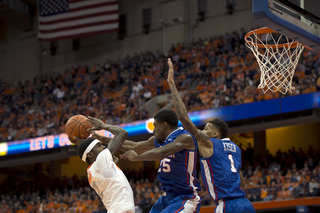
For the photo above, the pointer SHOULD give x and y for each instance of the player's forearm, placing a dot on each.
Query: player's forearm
(151, 155)
(128, 145)
(181, 111)
(117, 132)
(117, 141)
(179, 106)
(104, 140)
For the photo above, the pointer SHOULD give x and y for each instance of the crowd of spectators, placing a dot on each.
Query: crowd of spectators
(218, 71)
(37, 193)
(289, 174)
(286, 175)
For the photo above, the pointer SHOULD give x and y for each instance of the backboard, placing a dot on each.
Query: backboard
(297, 19)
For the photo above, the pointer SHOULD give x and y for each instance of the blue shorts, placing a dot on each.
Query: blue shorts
(238, 205)
(172, 203)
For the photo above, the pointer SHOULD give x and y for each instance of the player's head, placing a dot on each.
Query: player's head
(216, 129)
(89, 149)
(164, 122)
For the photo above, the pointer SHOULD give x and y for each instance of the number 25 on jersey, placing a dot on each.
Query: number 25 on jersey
(164, 165)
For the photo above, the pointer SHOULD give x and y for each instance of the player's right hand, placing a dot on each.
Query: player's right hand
(170, 72)
(97, 123)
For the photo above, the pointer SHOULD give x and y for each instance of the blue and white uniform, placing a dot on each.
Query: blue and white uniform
(177, 175)
(221, 177)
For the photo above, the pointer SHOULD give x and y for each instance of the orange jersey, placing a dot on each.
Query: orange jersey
(112, 186)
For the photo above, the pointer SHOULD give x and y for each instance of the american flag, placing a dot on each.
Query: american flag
(61, 19)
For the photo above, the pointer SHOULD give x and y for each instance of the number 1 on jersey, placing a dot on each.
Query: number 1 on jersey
(233, 169)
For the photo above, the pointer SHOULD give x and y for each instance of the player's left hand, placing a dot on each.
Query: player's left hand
(97, 123)
(75, 141)
(129, 154)
(170, 72)
(100, 138)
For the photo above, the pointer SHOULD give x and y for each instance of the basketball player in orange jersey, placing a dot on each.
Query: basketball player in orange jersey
(177, 150)
(104, 176)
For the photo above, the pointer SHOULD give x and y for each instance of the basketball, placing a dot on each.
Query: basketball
(77, 126)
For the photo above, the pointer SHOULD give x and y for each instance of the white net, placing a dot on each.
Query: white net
(277, 57)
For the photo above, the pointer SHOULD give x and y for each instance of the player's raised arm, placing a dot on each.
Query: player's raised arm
(182, 112)
(119, 134)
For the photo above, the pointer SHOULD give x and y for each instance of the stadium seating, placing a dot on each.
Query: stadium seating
(220, 71)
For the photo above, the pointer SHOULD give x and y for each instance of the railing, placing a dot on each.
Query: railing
(281, 191)
(277, 196)
(274, 192)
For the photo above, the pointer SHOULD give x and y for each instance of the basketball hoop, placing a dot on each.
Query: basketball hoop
(277, 56)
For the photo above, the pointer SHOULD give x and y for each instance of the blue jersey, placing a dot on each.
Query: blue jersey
(220, 172)
(177, 172)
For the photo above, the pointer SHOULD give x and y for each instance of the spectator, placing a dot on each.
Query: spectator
(313, 188)
(147, 95)
(295, 178)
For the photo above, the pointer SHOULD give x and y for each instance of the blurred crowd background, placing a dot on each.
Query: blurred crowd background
(218, 71)
(289, 174)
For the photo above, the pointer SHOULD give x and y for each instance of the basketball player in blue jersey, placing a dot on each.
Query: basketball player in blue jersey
(220, 158)
(177, 151)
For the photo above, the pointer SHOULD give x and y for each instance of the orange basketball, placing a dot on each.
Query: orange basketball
(77, 126)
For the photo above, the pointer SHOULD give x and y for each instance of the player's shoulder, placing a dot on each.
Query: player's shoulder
(105, 153)
(221, 142)
(215, 140)
(185, 136)
(152, 139)
(228, 141)
(187, 141)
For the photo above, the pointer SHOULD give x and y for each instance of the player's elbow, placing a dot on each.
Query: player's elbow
(121, 135)
(124, 134)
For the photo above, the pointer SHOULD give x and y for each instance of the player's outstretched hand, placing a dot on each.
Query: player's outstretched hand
(97, 123)
(75, 141)
(170, 72)
(129, 155)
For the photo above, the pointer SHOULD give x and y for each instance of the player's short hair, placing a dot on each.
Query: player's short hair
(167, 115)
(83, 146)
(221, 126)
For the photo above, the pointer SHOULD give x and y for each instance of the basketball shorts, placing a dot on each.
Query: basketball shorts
(174, 203)
(237, 205)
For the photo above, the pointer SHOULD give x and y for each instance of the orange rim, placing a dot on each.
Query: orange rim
(266, 30)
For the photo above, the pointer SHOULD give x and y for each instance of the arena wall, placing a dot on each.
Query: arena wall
(285, 138)
(23, 56)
